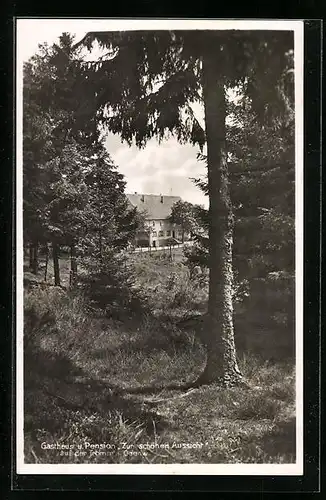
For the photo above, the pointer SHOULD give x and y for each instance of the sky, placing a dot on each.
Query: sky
(156, 169)
(164, 168)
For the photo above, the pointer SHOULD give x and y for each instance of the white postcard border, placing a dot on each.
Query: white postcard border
(23, 26)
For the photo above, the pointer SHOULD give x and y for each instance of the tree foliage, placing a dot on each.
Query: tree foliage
(155, 76)
(184, 214)
(73, 193)
(262, 173)
(145, 88)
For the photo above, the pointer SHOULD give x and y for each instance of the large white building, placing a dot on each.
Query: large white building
(156, 209)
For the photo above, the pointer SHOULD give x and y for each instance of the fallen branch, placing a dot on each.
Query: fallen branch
(150, 389)
(155, 401)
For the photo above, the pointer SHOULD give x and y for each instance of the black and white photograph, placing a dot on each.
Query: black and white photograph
(159, 215)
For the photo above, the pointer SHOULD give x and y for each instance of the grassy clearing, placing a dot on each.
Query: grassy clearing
(75, 361)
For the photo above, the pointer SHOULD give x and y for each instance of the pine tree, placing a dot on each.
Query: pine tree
(109, 225)
(261, 165)
(68, 174)
(55, 118)
(145, 89)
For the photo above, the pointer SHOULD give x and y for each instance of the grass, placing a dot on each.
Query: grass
(79, 365)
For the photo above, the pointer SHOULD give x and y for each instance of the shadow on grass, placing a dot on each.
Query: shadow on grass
(56, 390)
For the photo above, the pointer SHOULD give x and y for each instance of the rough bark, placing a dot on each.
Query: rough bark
(46, 261)
(221, 365)
(34, 260)
(56, 267)
(30, 255)
(100, 245)
(73, 266)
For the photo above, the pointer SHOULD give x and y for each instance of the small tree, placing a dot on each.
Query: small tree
(108, 227)
(183, 214)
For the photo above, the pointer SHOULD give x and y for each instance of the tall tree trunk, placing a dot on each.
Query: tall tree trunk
(56, 267)
(221, 364)
(46, 261)
(100, 245)
(73, 266)
(34, 267)
(30, 256)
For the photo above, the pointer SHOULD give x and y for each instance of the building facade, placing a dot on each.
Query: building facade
(158, 230)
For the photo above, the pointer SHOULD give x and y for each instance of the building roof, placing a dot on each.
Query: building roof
(154, 206)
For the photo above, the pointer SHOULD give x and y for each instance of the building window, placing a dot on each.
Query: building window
(160, 223)
(168, 233)
(161, 233)
(153, 223)
(154, 233)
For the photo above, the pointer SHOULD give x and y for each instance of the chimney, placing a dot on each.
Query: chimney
(161, 199)
(135, 192)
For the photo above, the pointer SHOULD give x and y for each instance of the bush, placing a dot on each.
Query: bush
(176, 292)
(109, 287)
(185, 292)
(166, 286)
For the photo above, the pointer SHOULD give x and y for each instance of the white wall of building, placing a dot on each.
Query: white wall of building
(163, 229)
